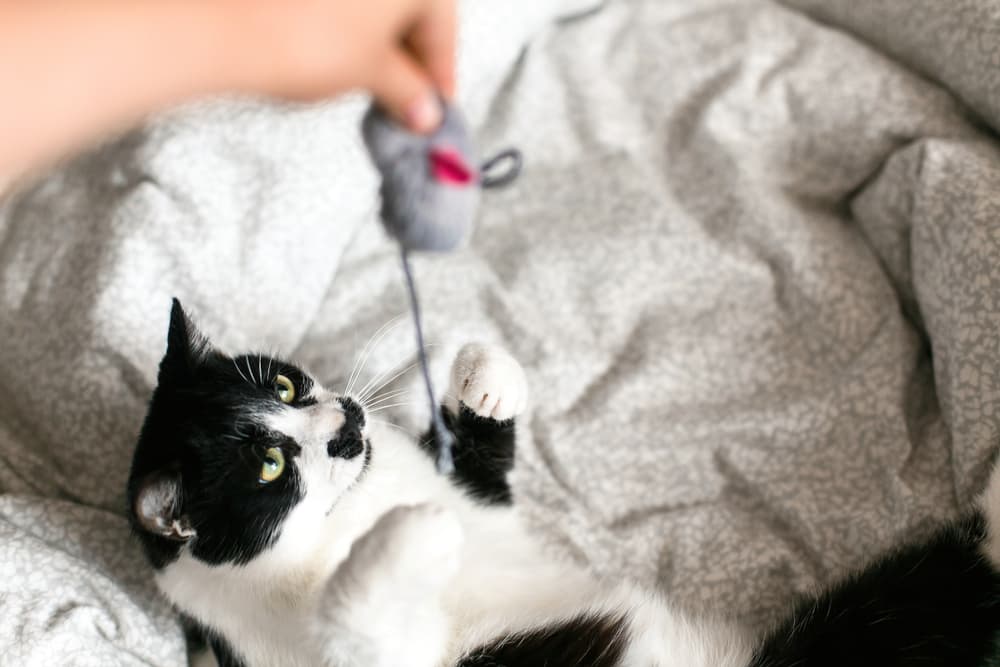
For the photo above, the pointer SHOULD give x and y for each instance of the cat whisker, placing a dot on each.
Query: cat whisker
(373, 341)
(260, 370)
(368, 390)
(379, 397)
(237, 367)
(385, 398)
(379, 393)
(391, 405)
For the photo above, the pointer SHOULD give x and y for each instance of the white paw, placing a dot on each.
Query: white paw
(487, 380)
(418, 545)
(383, 605)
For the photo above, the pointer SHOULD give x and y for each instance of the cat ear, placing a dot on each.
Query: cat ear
(186, 346)
(158, 507)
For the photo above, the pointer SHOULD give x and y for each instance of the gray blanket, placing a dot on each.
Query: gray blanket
(752, 269)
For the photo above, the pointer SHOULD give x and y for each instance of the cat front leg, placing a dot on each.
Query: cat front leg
(487, 390)
(382, 607)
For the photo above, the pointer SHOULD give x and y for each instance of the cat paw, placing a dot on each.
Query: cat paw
(417, 546)
(489, 381)
(383, 606)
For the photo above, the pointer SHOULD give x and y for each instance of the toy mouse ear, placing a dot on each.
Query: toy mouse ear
(158, 507)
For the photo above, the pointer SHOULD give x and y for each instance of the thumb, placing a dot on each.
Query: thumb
(405, 90)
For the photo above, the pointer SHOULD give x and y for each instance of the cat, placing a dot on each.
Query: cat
(293, 530)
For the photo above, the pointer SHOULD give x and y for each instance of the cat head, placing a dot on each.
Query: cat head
(232, 447)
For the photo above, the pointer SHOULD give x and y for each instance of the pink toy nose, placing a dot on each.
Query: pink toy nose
(449, 168)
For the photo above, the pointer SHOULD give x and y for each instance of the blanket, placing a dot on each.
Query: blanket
(751, 267)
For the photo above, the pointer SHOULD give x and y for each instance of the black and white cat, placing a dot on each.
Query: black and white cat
(294, 531)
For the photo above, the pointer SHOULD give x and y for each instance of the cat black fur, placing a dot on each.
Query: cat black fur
(483, 453)
(200, 639)
(933, 603)
(594, 641)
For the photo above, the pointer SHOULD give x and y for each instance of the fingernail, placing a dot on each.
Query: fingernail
(424, 114)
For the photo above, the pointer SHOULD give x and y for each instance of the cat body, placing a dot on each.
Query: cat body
(299, 533)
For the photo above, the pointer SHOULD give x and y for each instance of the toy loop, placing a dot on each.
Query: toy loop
(513, 157)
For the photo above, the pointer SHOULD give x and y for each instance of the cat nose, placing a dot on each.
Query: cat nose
(348, 442)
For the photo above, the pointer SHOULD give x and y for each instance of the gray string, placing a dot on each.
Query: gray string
(443, 438)
(442, 435)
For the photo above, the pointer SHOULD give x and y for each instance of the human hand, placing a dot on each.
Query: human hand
(402, 51)
(82, 70)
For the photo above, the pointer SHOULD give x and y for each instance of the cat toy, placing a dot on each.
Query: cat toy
(429, 195)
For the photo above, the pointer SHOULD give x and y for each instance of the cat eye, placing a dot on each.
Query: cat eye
(284, 388)
(274, 465)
